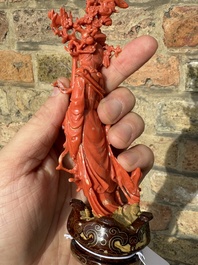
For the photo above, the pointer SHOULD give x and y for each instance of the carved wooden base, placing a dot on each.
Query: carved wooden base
(85, 257)
(104, 241)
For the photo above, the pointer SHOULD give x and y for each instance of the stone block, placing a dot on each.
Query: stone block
(4, 108)
(147, 195)
(176, 249)
(178, 115)
(21, 104)
(4, 26)
(187, 223)
(174, 189)
(144, 1)
(192, 76)
(162, 215)
(130, 23)
(16, 1)
(16, 67)
(165, 149)
(7, 131)
(190, 155)
(52, 66)
(159, 71)
(32, 25)
(146, 106)
(180, 26)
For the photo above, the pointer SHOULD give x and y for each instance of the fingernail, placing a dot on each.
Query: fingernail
(128, 160)
(113, 109)
(127, 132)
(55, 91)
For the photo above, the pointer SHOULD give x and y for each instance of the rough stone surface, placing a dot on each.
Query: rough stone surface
(165, 149)
(190, 156)
(16, 1)
(174, 189)
(178, 115)
(146, 107)
(180, 26)
(16, 67)
(192, 76)
(144, 1)
(18, 104)
(50, 67)
(176, 249)
(159, 71)
(32, 25)
(161, 215)
(187, 223)
(3, 26)
(130, 23)
(7, 131)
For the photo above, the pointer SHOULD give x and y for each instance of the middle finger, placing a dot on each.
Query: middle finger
(116, 105)
(125, 131)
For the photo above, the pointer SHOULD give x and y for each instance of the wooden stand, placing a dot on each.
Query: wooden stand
(85, 257)
(104, 241)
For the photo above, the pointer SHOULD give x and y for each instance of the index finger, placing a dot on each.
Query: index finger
(133, 56)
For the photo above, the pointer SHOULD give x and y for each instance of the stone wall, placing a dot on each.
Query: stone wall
(166, 89)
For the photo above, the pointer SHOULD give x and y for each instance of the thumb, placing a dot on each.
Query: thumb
(34, 140)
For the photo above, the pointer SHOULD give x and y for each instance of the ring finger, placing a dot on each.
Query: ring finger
(125, 131)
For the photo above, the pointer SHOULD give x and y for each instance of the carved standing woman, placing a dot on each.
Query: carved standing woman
(96, 170)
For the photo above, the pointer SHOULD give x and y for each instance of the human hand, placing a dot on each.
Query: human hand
(34, 196)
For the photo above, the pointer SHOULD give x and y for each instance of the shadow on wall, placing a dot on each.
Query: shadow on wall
(178, 196)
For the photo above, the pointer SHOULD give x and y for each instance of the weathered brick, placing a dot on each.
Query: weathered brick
(130, 23)
(192, 76)
(7, 131)
(174, 189)
(177, 249)
(52, 66)
(20, 103)
(16, 67)
(33, 25)
(146, 106)
(4, 108)
(3, 26)
(180, 26)
(187, 223)
(178, 115)
(141, 1)
(161, 215)
(165, 149)
(14, 1)
(67, 3)
(159, 71)
(190, 155)
(147, 195)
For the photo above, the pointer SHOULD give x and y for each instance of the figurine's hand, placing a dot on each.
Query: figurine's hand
(33, 195)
